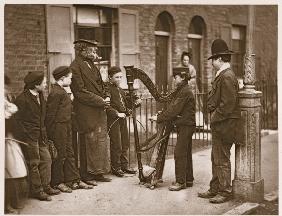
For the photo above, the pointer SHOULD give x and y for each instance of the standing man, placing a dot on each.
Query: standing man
(225, 113)
(90, 103)
(30, 120)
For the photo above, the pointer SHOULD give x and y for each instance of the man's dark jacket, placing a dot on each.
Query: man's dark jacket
(58, 109)
(30, 117)
(223, 103)
(89, 91)
(181, 109)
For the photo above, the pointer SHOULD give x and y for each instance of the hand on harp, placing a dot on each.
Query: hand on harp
(153, 118)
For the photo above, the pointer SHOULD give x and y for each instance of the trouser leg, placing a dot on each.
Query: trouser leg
(221, 180)
(124, 143)
(58, 164)
(181, 153)
(115, 144)
(33, 161)
(71, 172)
(45, 165)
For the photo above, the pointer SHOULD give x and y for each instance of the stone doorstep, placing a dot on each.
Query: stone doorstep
(272, 196)
(248, 207)
(243, 209)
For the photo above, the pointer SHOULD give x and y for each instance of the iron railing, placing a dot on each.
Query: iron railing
(269, 103)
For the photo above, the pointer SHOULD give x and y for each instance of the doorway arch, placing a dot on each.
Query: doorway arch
(163, 33)
(196, 39)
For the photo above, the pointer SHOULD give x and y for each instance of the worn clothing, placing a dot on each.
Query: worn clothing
(181, 111)
(221, 166)
(59, 129)
(225, 113)
(89, 93)
(183, 155)
(30, 119)
(119, 138)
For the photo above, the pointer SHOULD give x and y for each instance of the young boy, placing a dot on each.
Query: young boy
(118, 131)
(30, 120)
(181, 112)
(65, 175)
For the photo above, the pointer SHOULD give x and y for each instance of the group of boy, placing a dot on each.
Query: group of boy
(39, 121)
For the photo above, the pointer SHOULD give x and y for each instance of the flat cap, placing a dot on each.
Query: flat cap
(86, 42)
(113, 70)
(60, 72)
(180, 71)
(33, 77)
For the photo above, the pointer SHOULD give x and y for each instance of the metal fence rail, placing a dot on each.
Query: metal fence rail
(269, 103)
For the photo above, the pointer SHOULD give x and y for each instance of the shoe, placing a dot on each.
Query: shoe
(64, 188)
(73, 185)
(90, 182)
(129, 170)
(117, 172)
(51, 191)
(220, 199)
(189, 184)
(206, 195)
(42, 196)
(177, 186)
(102, 178)
(82, 185)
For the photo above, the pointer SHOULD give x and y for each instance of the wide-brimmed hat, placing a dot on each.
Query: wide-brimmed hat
(219, 47)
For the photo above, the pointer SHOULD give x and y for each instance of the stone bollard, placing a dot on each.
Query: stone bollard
(248, 183)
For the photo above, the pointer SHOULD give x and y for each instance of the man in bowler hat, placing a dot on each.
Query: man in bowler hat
(90, 103)
(225, 112)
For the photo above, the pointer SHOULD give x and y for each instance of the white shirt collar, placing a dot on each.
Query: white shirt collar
(223, 67)
(35, 93)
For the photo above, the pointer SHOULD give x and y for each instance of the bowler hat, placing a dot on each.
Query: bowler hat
(219, 47)
(60, 72)
(86, 42)
(180, 71)
(34, 77)
(113, 70)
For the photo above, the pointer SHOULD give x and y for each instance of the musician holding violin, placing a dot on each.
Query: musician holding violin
(181, 112)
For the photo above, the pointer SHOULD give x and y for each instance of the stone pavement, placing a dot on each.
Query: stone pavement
(126, 196)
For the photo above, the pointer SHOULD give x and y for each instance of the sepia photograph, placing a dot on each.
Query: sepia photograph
(140, 109)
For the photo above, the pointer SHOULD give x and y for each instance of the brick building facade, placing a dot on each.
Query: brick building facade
(152, 37)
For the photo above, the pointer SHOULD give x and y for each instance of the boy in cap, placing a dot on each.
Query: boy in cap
(181, 112)
(225, 112)
(117, 112)
(65, 175)
(30, 119)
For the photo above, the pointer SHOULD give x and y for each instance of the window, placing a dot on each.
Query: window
(239, 47)
(95, 23)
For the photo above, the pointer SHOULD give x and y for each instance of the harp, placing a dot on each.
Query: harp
(152, 174)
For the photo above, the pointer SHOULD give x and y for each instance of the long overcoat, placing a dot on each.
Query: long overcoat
(89, 91)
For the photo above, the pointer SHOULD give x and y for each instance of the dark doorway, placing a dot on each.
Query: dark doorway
(162, 62)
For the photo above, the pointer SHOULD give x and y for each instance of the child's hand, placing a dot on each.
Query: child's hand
(121, 115)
